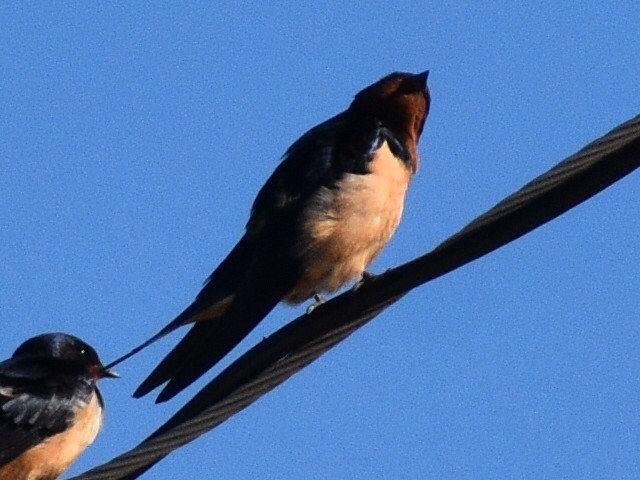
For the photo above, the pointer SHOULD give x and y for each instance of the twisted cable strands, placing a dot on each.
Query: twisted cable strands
(272, 361)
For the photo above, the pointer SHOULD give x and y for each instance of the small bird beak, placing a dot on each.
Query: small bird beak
(106, 373)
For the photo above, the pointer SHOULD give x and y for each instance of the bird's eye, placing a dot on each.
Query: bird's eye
(83, 351)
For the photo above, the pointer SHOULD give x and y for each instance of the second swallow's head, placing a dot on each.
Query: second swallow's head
(68, 349)
(400, 99)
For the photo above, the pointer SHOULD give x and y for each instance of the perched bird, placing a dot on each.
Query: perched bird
(50, 407)
(321, 218)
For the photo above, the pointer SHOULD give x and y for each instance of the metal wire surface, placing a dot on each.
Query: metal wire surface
(300, 342)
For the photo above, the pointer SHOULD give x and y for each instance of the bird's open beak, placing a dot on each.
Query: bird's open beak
(103, 372)
(106, 373)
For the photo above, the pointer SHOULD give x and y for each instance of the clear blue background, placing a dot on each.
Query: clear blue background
(134, 138)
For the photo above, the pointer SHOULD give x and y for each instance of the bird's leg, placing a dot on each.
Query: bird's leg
(318, 300)
(366, 276)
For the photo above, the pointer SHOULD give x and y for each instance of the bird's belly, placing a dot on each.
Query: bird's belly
(52, 457)
(346, 227)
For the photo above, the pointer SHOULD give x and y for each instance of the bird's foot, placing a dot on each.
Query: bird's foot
(366, 276)
(318, 300)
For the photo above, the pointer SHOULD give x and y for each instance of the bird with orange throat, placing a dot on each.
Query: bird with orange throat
(50, 407)
(325, 213)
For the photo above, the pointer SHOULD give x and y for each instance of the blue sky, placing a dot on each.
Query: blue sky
(133, 140)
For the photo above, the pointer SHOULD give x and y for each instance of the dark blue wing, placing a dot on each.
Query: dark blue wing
(320, 157)
(343, 144)
(36, 402)
(313, 160)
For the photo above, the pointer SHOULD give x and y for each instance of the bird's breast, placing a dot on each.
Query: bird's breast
(54, 455)
(345, 226)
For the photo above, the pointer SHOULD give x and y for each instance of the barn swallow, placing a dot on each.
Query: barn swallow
(50, 407)
(321, 218)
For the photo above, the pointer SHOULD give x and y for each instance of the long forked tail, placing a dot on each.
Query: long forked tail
(175, 324)
(214, 347)
(210, 341)
(220, 284)
(193, 313)
(175, 358)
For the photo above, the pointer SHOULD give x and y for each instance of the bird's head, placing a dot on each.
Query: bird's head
(400, 100)
(67, 348)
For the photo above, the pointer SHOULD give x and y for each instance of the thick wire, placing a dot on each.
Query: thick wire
(302, 341)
